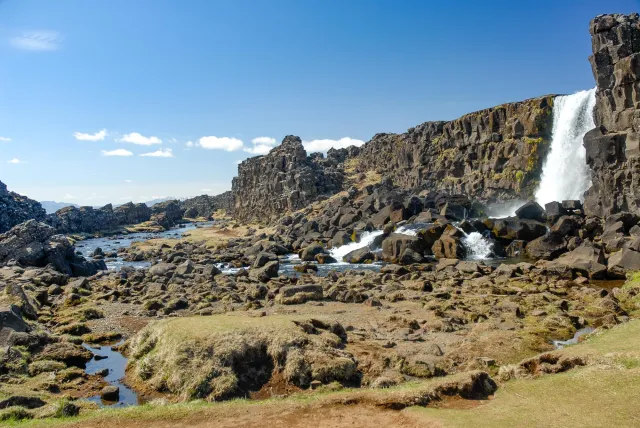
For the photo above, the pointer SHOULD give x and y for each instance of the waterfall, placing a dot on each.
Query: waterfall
(366, 239)
(479, 247)
(565, 174)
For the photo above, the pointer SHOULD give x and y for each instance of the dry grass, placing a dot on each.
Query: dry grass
(604, 393)
(213, 237)
(220, 357)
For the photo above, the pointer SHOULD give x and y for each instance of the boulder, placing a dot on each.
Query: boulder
(565, 226)
(587, 260)
(554, 211)
(266, 272)
(430, 235)
(453, 211)
(35, 244)
(310, 252)
(297, 294)
(360, 255)
(110, 393)
(263, 258)
(511, 228)
(394, 245)
(531, 211)
(623, 261)
(11, 321)
(449, 247)
(547, 247)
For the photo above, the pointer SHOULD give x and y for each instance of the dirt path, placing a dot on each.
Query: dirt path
(326, 416)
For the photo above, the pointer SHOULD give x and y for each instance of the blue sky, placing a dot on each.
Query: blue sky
(195, 82)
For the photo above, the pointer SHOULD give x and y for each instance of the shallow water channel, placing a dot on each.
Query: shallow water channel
(107, 359)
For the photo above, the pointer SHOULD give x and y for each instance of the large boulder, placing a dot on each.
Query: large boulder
(394, 246)
(511, 228)
(35, 244)
(361, 255)
(587, 260)
(297, 294)
(310, 252)
(10, 321)
(531, 211)
(623, 261)
(547, 247)
(266, 272)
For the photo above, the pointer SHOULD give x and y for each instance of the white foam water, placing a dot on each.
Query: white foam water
(404, 230)
(479, 247)
(366, 239)
(565, 174)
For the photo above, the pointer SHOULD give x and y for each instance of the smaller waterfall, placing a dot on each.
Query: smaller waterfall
(479, 247)
(366, 239)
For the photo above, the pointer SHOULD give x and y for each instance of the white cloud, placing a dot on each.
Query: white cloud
(324, 145)
(261, 145)
(117, 152)
(98, 136)
(189, 144)
(220, 143)
(162, 153)
(258, 149)
(15, 161)
(37, 41)
(5, 139)
(264, 140)
(128, 181)
(68, 196)
(141, 140)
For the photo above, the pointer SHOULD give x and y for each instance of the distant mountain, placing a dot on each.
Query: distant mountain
(52, 206)
(157, 201)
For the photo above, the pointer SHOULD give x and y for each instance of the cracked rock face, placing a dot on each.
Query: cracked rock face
(496, 153)
(613, 148)
(15, 209)
(285, 180)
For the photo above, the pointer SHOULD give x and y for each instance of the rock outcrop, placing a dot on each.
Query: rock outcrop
(205, 205)
(496, 153)
(15, 209)
(36, 244)
(285, 180)
(613, 147)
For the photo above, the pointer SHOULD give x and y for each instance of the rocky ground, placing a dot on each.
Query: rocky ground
(194, 332)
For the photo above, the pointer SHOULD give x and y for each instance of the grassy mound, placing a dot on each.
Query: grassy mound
(221, 357)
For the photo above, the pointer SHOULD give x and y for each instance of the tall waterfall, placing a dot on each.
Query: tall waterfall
(565, 174)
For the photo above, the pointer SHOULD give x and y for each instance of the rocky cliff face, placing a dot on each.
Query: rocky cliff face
(284, 180)
(613, 148)
(205, 205)
(15, 209)
(492, 154)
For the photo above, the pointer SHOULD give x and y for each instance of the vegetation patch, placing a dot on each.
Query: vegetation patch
(221, 357)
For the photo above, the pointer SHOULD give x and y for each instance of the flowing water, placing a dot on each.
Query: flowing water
(116, 363)
(565, 174)
(479, 247)
(112, 244)
(366, 239)
(559, 344)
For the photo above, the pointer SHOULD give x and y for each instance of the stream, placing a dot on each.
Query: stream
(105, 358)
